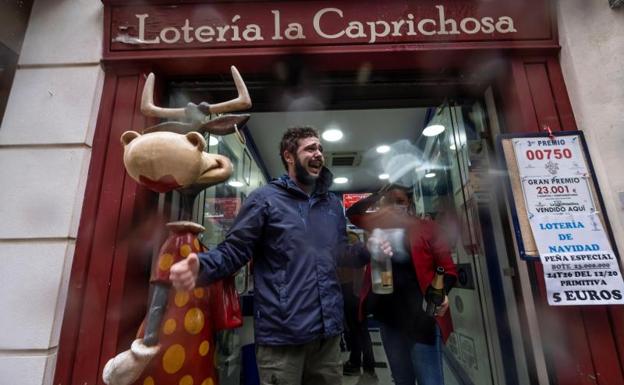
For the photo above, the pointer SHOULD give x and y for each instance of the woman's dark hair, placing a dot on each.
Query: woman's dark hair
(290, 140)
(394, 186)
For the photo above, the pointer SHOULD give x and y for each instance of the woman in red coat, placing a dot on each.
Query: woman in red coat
(411, 338)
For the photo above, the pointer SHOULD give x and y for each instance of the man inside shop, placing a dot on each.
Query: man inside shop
(295, 230)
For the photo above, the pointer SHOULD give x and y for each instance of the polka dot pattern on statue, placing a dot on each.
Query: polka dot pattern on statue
(170, 326)
(166, 260)
(194, 321)
(207, 381)
(186, 380)
(204, 347)
(181, 298)
(185, 250)
(173, 359)
(198, 292)
(196, 244)
(148, 381)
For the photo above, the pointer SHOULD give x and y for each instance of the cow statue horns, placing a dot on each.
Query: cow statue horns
(203, 117)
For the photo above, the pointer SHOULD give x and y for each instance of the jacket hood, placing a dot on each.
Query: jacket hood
(323, 183)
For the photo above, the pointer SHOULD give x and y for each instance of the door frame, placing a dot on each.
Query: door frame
(531, 92)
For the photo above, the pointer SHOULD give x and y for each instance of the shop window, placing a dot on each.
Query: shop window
(8, 63)
(13, 22)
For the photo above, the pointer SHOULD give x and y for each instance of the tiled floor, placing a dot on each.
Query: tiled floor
(383, 373)
(382, 370)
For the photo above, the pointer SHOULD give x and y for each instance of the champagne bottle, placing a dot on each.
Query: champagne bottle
(435, 293)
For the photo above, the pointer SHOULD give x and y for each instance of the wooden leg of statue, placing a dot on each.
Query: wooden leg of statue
(155, 314)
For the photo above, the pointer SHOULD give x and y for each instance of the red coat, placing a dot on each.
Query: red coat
(428, 250)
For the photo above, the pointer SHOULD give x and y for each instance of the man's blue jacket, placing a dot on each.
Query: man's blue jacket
(295, 241)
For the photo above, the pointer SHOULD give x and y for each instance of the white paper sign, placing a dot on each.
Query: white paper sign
(544, 157)
(558, 195)
(568, 233)
(591, 279)
(580, 267)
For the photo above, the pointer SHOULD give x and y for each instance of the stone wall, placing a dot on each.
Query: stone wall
(592, 59)
(45, 148)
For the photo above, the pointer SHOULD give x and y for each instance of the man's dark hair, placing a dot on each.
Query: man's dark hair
(290, 140)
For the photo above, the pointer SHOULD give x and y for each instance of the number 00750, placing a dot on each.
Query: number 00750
(549, 154)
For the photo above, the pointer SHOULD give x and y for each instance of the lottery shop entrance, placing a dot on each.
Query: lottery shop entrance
(479, 89)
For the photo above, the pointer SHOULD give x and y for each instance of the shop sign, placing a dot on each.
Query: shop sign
(305, 23)
(350, 199)
(580, 267)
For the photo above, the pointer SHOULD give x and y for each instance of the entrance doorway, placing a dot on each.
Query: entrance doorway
(451, 173)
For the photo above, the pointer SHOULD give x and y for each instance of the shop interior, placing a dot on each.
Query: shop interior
(434, 134)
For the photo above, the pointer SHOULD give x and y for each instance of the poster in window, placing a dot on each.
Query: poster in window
(559, 216)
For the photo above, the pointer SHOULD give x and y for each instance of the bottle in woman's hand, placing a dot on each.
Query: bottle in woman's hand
(434, 296)
(381, 264)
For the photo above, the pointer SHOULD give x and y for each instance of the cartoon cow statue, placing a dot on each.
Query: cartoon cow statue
(174, 344)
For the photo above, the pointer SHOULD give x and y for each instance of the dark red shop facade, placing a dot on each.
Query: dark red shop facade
(445, 46)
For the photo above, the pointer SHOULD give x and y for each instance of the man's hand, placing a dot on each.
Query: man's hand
(441, 310)
(183, 274)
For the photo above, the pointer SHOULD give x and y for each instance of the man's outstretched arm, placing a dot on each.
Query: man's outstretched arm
(229, 256)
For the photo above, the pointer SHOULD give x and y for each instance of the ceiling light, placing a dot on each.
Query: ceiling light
(384, 176)
(433, 130)
(235, 183)
(383, 149)
(341, 180)
(453, 147)
(213, 141)
(332, 135)
(430, 175)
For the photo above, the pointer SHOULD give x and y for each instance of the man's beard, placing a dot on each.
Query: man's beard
(303, 176)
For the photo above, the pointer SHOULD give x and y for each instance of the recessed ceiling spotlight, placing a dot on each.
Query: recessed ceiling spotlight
(341, 180)
(213, 141)
(383, 148)
(433, 130)
(384, 176)
(235, 183)
(430, 175)
(332, 135)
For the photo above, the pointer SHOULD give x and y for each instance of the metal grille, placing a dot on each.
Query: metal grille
(349, 159)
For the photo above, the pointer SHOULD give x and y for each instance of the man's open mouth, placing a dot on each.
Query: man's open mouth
(315, 166)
